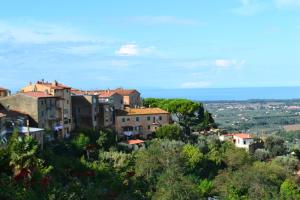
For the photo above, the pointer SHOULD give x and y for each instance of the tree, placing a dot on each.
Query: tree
(169, 131)
(261, 154)
(173, 185)
(160, 155)
(187, 113)
(205, 187)
(24, 159)
(288, 162)
(191, 155)
(289, 190)
(275, 146)
(81, 141)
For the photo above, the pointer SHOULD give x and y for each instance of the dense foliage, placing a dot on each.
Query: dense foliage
(172, 166)
(189, 114)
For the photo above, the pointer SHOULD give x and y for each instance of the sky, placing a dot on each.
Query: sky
(155, 44)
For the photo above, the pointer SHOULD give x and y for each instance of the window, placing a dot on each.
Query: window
(128, 119)
(123, 119)
(244, 142)
(137, 119)
(149, 127)
(148, 118)
(78, 110)
(67, 101)
(160, 118)
(42, 113)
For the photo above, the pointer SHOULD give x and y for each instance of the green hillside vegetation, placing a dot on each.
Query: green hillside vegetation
(176, 166)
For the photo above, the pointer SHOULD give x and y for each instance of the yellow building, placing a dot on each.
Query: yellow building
(140, 121)
(58, 90)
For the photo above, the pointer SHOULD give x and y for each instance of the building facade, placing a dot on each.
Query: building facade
(4, 92)
(112, 97)
(64, 100)
(107, 115)
(131, 98)
(85, 111)
(140, 121)
(240, 140)
(2, 122)
(42, 108)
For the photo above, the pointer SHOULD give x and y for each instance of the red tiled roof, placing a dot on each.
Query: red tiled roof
(125, 92)
(2, 89)
(38, 94)
(141, 111)
(135, 141)
(107, 94)
(243, 135)
(55, 85)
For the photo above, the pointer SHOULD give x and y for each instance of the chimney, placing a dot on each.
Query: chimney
(54, 83)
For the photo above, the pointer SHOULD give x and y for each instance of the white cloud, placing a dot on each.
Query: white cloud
(287, 3)
(197, 84)
(229, 63)
(160, 20)
(133, 50)
(128, 50)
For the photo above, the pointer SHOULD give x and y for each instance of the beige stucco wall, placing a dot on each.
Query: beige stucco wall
(64, 103)
(42, 110)
(147, 125)
(23, 104)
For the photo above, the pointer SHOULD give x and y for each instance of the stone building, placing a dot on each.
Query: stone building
(131, 98)
(112, 97)
(107, 113)
(4, 92)
(42, 108)
(140, 121)
(64, 100)
(85, 111)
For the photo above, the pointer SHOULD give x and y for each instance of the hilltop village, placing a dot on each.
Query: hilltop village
(60, 142)
(60, 109)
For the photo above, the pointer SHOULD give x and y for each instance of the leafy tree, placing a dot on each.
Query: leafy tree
(261, 154)
(173, 185)
(187, 113)
(102, 140)
(289, 190)
(192, 155)
(205, 187)
(23, 156)
(275, 146)
(288, 162)
(81, 141)
(160, 155)
(169, 131)
(235, 158)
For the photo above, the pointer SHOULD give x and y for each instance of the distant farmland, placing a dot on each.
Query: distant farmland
(295, 127)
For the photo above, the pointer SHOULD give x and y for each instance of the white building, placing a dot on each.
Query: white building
(240, 140)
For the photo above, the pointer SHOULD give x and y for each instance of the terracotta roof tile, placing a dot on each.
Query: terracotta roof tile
(243, 135)
(2, 89)
(141, 111)
(135, 141)
(107, 94)
(38, 94)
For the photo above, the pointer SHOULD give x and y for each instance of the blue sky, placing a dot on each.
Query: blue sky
(151, 44)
